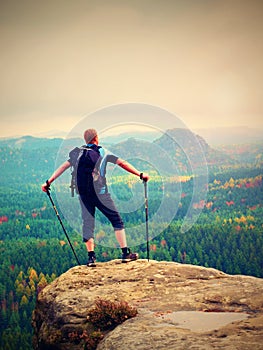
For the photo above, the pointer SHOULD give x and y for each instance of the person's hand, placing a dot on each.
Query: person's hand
(145, 177)
(45, 187)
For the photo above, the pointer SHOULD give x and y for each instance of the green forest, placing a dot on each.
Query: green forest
(228, 234)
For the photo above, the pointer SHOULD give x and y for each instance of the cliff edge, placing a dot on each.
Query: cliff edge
(179, 307)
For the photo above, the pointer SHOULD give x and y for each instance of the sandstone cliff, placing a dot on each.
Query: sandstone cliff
(179, 307)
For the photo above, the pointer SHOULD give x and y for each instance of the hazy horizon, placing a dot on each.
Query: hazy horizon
(213, 136)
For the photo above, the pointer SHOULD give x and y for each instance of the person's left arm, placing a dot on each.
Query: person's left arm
(131, 169)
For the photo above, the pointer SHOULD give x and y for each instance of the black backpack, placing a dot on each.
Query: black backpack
(85, 162)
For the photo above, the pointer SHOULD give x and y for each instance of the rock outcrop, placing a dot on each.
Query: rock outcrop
(179, 307)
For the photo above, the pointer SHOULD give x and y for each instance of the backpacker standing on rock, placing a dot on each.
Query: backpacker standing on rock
(89, 163)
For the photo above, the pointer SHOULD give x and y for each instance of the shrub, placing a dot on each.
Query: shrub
(106, 314)
(91, 340)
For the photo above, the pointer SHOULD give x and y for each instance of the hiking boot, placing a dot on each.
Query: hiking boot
(91, 261)
(129, 256)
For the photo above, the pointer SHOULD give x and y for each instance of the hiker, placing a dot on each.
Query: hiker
(90, 162)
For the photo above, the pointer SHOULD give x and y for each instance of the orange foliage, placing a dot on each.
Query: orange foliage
(42, 244)
(3, 219)
(199, 205)
(209, 205)
(163, 243)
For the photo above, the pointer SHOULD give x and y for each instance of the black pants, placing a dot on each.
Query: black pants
(104, 202)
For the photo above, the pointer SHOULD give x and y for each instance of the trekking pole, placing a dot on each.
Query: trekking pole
(59, 219)
(146, 217)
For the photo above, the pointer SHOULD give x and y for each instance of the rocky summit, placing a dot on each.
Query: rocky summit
(179, 306)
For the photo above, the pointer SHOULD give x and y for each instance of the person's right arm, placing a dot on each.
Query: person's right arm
(60, 170)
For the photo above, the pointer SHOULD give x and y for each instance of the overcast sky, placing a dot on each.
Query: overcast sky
(61, 60)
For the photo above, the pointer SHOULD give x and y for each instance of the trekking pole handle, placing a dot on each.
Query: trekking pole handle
(48, 187)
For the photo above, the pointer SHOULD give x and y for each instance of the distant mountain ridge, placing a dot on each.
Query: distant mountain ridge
(184, 148)
(214, 136)
(177, 150)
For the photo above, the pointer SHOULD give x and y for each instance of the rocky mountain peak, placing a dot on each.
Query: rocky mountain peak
(179, 306)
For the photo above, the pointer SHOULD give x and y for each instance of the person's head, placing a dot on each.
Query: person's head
(91, 136)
